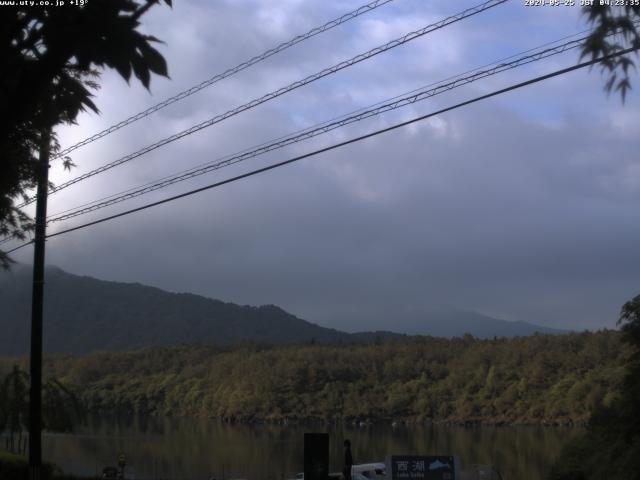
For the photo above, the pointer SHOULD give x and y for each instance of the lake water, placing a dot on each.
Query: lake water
(199, 449)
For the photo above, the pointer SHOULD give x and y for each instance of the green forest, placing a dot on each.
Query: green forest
(541, 379)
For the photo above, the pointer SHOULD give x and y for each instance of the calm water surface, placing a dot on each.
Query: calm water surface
(198, 449)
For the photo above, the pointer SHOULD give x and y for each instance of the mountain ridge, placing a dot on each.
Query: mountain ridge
(84, 314)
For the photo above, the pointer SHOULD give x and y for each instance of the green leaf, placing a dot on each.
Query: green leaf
(123, 68)
(155, 61)
(68, 164)
(141, 70)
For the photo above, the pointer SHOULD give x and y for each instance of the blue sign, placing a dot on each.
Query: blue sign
(417, 467)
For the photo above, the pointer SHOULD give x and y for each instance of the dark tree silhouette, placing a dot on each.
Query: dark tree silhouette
(630, 326)
(616, 28)
(61, 408)
(611, 446)
(14, 407)
(50, 61)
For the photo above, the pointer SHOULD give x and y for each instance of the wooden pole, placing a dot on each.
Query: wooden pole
(37, 303)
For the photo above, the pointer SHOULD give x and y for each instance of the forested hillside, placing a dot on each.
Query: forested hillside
(84, 314)
(537, 379)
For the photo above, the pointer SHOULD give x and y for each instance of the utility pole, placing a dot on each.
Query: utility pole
(37, 302)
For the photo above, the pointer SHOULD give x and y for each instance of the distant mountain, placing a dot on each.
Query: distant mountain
(84, 314)
(443, 321)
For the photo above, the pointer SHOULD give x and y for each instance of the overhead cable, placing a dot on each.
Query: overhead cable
(281, 91)
(228, 73)
(341, 144)
(340, 117)
(393, 104)
(511, 61)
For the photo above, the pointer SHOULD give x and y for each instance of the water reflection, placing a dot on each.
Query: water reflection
(198, 449)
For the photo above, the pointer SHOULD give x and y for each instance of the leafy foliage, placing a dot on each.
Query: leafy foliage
(50, 59)
(616, 28)
(611, 447)
(527, 380)
(15, 467)
(14, 406)
(61, 408)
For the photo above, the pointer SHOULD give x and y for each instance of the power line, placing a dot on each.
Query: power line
(281, 91)
(228, 73)
(340, 117)
(319, 128)
(362, 114)
(258, 149)
(19, 247)
(342, 144)
(255, 147)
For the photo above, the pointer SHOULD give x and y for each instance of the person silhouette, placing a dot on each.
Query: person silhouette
(348, 460)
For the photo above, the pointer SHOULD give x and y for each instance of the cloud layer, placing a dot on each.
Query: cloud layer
(523, 207)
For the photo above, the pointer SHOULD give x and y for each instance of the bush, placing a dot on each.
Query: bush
(16, 467)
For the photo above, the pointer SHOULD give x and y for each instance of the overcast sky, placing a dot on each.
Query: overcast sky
(523, 207)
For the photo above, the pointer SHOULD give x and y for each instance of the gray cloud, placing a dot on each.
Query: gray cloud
(523, 207)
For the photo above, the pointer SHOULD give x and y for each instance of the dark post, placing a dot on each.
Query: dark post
(35, 391)
(316, 456)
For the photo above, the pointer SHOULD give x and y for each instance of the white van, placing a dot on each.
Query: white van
(364, 471)
(370, 471)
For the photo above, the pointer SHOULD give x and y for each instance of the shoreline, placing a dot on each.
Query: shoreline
(359, 422)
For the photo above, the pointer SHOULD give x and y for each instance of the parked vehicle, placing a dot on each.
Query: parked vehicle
(364, 471)
(109, 473)
(372, 471)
